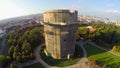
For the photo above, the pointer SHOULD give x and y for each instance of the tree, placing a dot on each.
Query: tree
(32, 56)
(16, 48)
(20, 43)
(8, 58)
(2, 59)
(11, 50)
(10, 41)
(18, 58)
(26, 46)
(23, 58)
(23, 53)
(12, 65)
(15, 54)
(114, 48)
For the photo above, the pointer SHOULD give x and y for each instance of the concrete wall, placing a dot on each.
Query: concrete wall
(60, 39)
(57, 16)
(52, 39)
(68, 40)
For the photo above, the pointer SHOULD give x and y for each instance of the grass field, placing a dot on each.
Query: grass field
(36, 65)
(102, 57)
(62, 62)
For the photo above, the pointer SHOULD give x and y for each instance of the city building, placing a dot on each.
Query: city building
(39, 21)
(60, 28)
(2, 33)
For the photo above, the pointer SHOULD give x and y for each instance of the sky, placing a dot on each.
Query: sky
(99, 8)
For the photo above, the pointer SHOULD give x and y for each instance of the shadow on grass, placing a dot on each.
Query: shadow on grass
(102, 57)
(91, 50)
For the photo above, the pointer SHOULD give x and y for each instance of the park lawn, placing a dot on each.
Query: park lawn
(63, 62)
(81, 27)
(36, 65)
(102, 57)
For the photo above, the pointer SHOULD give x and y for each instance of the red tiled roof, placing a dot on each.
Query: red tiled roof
(91, 30)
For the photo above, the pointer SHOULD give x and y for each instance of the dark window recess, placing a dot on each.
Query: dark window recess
(74, 31)
(63, 20)
(64, 40)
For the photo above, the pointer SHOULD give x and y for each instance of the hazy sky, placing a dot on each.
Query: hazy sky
(13, 8)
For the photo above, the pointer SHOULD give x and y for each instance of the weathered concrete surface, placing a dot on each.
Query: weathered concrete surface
(60, 38)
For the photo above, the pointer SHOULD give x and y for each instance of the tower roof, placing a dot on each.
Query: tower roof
(60, 16)
(61, 11)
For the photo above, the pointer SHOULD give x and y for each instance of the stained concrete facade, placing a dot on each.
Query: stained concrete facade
(60, 28)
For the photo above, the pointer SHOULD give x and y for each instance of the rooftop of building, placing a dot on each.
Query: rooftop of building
(1, 31)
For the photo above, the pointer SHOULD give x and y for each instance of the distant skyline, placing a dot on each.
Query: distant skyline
(99, 8)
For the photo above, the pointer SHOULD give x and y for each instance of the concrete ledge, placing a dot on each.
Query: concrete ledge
(61, 23)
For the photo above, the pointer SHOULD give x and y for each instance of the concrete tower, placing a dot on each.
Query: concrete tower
(60, 33)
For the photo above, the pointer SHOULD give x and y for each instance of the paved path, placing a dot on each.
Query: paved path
(37, 54)
(79, 64)
(38, 59)
(3, 46)
(20, 65)
(80, 43)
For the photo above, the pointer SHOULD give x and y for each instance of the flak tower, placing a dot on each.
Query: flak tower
(60, 28)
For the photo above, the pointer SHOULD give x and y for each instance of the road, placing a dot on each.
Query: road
(3, 46)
